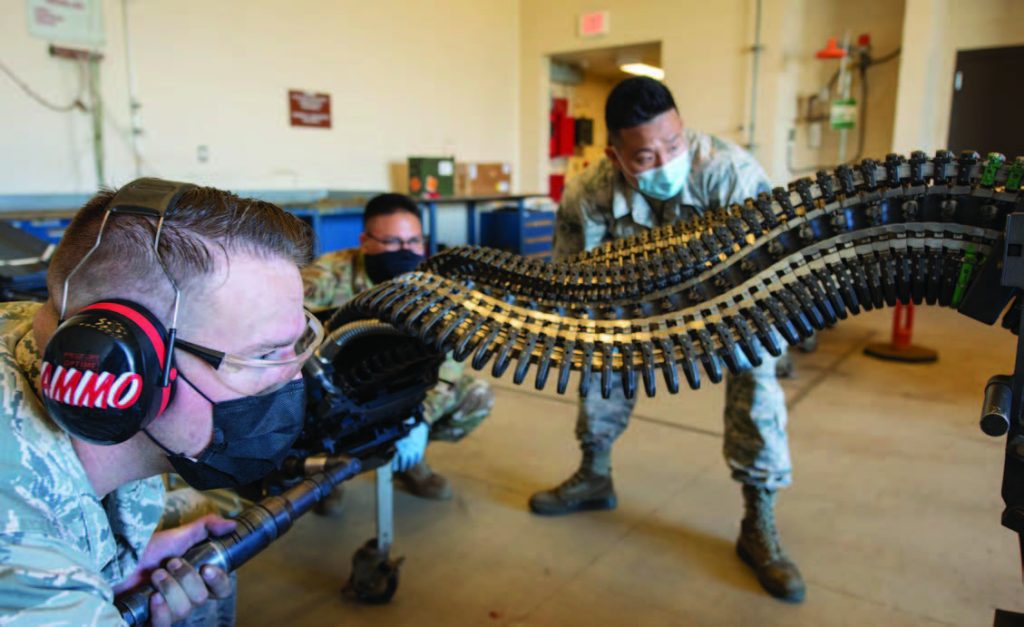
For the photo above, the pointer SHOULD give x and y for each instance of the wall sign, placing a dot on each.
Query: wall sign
(309, 109)
(74, 21)
(595, 24)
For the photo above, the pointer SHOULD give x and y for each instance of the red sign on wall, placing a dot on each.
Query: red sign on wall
(309, 109)
(595, 23)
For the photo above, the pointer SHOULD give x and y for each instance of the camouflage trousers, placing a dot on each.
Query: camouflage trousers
(756, 445)
(455, 407)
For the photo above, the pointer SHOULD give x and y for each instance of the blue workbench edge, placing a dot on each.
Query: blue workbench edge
(299, 198)
(42, 202)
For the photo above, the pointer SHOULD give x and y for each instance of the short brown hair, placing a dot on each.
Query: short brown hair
(203, 218)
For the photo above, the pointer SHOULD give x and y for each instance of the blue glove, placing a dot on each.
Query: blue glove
(410, 449)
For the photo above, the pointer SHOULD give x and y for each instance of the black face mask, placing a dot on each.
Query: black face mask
(384, 266)
(251, 437)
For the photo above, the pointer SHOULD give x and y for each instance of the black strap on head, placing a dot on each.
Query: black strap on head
(154, 197)
(145, 197)
(148, 196)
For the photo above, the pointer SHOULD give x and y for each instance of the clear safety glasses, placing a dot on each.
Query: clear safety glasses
(255, 376)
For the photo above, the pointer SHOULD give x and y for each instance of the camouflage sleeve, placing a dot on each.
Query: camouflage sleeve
(457, 404)
(570, 237)
(737, 178)
(184, 504)
(43, 581)
(327, 282)
(441, 399)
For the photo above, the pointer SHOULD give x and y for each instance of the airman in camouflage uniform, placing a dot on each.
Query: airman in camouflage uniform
(62, 549)
(79, 524)
(601, 205)
(455, 407)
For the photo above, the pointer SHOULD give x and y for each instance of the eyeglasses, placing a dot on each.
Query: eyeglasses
(397, 243)
(256, 376)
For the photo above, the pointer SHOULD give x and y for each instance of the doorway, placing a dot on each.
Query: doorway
(580, 82)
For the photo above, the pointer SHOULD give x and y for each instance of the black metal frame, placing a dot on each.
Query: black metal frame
(1002, 409)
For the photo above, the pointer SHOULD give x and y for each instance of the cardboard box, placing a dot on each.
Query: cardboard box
(483, 179)
(431, 177)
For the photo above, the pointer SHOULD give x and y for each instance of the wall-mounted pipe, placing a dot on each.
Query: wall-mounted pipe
(133, 100)
(755, 62)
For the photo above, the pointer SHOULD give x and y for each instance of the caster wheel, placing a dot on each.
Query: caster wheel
(374, 577)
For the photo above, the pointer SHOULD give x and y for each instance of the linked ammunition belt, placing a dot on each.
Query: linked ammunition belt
(692, 297)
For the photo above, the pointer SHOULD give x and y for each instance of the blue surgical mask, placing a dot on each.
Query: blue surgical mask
(666, 180)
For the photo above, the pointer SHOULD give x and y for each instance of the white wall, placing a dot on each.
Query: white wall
(706, 56)
(933, 32)
(461, 76)
(882, 20)
(406, 77)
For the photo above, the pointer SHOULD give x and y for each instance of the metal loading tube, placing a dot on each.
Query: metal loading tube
(257, 527)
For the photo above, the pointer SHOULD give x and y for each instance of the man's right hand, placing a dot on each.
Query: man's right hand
(180, 588)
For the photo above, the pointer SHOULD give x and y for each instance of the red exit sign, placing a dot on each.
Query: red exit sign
(595, 23)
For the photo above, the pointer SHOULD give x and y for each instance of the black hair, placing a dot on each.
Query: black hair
(635, 101)
(387, 204)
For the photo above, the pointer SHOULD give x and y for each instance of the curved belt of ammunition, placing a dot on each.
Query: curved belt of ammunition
(693, 296)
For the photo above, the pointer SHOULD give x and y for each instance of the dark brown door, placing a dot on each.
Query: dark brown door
(988, 102)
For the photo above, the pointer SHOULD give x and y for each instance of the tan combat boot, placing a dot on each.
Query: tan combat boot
(589, 488)
(422, 481)
(759, 547)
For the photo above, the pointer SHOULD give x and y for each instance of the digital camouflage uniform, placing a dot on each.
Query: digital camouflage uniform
(183, 503)
(460, 401)
(333, 279)
(61, 547)
(600, 206)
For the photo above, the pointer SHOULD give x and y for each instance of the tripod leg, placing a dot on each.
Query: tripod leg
(374, 577)
(385, 507)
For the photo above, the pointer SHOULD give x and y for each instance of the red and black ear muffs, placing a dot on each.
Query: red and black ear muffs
(108, 371)
(103, 372)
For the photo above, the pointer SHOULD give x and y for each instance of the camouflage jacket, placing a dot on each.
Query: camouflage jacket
(61, 547)
(333, 279)
(599, 205)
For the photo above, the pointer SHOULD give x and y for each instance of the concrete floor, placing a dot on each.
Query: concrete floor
(893, 516)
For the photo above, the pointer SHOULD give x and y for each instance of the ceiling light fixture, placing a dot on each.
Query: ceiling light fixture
(643, 69)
